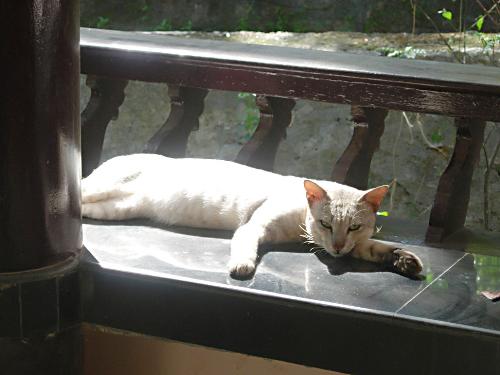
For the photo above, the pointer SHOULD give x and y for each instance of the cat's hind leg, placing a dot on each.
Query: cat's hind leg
(95, 188)
(114, 178)
(113, 209)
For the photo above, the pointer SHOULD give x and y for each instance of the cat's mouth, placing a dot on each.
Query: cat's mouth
(340, 253)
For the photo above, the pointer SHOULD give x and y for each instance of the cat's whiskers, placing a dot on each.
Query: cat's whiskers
(308, 237)
(308, 240)
(302, 226)
(316, 250)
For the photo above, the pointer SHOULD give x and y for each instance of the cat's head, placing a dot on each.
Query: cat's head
(339, 217)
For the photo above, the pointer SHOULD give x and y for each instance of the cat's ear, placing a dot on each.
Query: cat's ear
(375, 196)
(314, 192)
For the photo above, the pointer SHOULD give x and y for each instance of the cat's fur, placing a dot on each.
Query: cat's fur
(261, 207)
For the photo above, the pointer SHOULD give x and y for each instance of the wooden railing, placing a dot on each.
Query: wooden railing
(279, 75)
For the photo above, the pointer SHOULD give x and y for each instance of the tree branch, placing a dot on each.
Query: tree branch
(443, 39)
(487, 13)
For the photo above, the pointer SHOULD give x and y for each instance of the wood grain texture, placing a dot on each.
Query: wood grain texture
(417, 86)
(40, 219)
(353, 166)
(186, 105)
(153, 46)
(106, 97)
(452, 197)
(275, 117)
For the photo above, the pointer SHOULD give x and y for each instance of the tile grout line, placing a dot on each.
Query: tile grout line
(20, 303)
(432, 282)
(58, 309)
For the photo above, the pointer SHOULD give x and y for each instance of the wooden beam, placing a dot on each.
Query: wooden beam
(371, 81)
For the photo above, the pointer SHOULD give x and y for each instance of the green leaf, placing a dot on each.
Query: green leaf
(243, 95)
(188, 26)
(446, 14)
(479, 23)
(164, 25)
(102, 22)
(429, 277)
(437, 136)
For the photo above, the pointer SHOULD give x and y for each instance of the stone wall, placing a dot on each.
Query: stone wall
(317, 137)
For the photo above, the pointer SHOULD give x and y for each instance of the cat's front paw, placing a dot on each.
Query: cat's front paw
(406, 262)
(241, 268)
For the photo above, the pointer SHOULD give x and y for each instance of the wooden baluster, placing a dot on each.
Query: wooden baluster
(275, 117)
(186, 106)
(353, 167)
(452, 196)
(106, 97)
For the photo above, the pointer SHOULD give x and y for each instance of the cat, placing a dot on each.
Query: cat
(259, 206)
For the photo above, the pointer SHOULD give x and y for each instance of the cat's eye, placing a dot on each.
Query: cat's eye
(325, 224)
(354, 227)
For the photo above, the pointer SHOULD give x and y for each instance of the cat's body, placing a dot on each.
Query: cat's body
(261, 207)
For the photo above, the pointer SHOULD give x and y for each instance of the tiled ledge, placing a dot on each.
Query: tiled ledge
(342, 315)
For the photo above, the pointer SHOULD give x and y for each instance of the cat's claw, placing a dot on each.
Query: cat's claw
(406, 262)
(241, 268)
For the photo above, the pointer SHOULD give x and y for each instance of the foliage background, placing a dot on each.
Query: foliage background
(275, 15)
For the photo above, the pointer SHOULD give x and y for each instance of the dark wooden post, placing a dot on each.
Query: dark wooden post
(106, 97)
(275, 117)
(186, 106)
(40, 219)
(353, 166)
(452, 197)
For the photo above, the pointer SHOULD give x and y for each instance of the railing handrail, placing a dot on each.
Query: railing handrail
(420, 86)
(448, 76)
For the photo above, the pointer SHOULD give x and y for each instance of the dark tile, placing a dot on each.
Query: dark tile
(461, 352)
(56, 354)
(69, 300)
(39, 307)
(9, 311)
(290, 271)
(236, 321)
(455, 297)
(291, 330)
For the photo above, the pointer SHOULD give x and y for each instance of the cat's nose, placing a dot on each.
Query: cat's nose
(338, 247)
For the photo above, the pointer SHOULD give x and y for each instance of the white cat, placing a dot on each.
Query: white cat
(261, 207)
